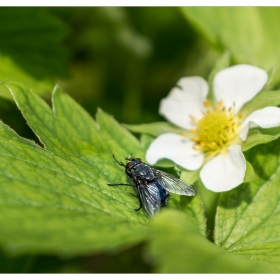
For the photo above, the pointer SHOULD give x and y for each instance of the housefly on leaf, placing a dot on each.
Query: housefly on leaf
(153, 185)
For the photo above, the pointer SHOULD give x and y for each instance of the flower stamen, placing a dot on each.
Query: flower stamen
(217, 129)
(192, 118)
(207, 103)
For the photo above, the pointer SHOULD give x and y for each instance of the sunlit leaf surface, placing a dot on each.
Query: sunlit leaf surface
(247, 220)
(57, 199)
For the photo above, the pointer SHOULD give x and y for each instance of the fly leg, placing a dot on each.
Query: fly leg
(128, 174)
(118, 162)
(164, 201)
(139, 206)
(140, 201)
(120, 184)
(122, 164)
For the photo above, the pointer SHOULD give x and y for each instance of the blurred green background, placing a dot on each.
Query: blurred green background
(123, 60)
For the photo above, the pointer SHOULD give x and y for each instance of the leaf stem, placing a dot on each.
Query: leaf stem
(210, 201)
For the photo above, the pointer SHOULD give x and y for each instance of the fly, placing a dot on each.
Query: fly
(153, 185)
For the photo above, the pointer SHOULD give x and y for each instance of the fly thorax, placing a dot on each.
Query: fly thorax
(143, 171)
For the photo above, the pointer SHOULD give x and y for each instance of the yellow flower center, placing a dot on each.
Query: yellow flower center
(217, 129)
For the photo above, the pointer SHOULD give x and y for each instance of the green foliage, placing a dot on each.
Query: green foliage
(190, 176)
(9, 69)
(178, 247)
(250, 174)
(31, 48)
(263, 99)
(249, 33)
(57, 198)
(57, 213)
(247, 217)
(155, 129)
(126, 59)
(258, 135)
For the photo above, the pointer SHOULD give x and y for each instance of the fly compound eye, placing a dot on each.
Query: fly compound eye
(129, 164)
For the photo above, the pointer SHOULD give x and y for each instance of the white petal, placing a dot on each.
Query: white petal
(177, 148)
(185, 101)
(265, 118)
(238, 84)
(224, 172)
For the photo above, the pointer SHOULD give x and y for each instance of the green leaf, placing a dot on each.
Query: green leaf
(10, 70)
(263, 99)
(155, 129)
(247, 220)
(56, 199)
(38, 35)
(31, 49)
(249, 33)
(250, 174)
(146, 140)
(177, 246)
(222, 63)
(190, 176)
(258, 135)
(191, 205)
(20, 264)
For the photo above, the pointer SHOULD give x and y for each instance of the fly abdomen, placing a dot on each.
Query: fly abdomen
(158, 192)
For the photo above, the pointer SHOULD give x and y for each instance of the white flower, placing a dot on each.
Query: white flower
(215, 132)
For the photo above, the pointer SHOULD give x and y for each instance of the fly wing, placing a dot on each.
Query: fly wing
(150, 197)
(174, 184)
